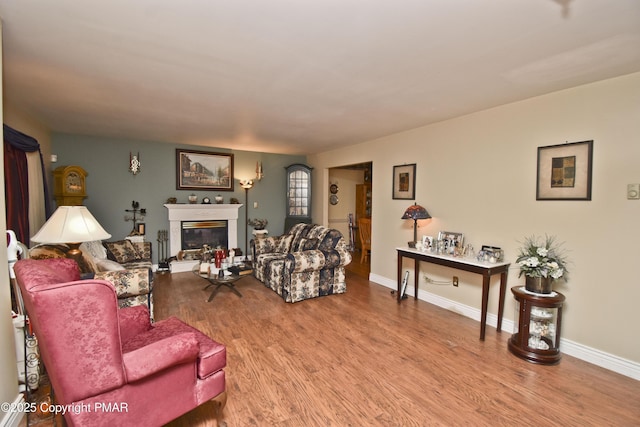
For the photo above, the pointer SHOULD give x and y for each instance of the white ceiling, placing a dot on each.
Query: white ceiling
(299, 76)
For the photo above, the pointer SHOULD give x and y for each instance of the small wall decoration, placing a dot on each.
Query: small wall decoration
(404, 182)
(202, 170)
(564, 171)
(134, 163)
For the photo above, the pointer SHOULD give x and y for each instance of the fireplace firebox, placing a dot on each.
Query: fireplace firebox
(196, 234)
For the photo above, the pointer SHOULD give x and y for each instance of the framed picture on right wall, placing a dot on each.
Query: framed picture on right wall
(564, 171)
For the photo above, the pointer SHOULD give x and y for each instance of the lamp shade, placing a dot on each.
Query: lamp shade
(416, 212)
(70, 224)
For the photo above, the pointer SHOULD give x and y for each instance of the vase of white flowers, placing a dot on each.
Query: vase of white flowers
(542, 262)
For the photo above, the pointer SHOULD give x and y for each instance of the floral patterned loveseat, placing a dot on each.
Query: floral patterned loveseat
(307, 262)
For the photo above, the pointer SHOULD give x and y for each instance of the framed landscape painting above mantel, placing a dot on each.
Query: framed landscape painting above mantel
(564, 171)
(203, 170)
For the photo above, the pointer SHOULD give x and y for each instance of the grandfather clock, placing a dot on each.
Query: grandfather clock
(69, 185)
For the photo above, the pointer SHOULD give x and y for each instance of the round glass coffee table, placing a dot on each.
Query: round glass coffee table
(213, 279)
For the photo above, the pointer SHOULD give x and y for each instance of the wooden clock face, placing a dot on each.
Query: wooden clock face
(73, 183)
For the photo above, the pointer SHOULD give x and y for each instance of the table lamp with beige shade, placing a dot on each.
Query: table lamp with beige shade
(71, 225)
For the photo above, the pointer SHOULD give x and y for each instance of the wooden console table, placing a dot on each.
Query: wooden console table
(486, 269)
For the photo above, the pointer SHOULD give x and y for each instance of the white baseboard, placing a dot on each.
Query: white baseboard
(599, 358)
(14, 418)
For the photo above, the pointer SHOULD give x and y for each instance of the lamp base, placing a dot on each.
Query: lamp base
(75, 253)
(412, 245)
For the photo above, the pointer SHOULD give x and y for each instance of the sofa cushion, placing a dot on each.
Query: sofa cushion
(284, 243)
(212, 355)
(127, 282)
(108, 265)
(307, 244)
(122, 251)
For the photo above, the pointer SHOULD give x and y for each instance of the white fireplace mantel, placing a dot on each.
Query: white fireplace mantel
(200, 212)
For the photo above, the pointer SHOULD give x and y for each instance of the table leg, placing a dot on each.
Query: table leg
(231, 286)
(398, 296)
(485, 303)
(503, 289)
(214, 292)
(416, 278)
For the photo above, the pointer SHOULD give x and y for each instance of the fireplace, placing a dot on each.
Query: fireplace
(196, 234)
(205, 217)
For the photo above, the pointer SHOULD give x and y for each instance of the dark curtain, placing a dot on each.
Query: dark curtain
(16, 181)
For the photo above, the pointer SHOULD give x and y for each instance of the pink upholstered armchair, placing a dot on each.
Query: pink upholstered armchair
(111, 366)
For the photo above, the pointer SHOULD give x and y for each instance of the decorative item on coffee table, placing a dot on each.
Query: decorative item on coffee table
(542, 262)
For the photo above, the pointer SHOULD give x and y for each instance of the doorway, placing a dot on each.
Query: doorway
(351, 198)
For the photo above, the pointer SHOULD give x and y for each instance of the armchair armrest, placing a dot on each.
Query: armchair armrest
(309, 260)
(315, 259)
(128, 283)
(160, 355)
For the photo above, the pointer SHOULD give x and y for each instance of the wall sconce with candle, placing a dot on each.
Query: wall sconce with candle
(134, 163)
(259, 173)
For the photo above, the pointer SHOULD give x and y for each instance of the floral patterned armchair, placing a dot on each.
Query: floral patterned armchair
(307, 262)
(134, 284)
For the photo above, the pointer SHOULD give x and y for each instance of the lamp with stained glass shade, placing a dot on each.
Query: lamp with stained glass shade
(415, 212)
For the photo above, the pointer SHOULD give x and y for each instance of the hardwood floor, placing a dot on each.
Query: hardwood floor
(360, 358)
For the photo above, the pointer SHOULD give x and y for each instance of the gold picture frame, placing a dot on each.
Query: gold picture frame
(203, 170)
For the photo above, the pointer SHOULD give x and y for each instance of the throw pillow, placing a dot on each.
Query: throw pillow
(95, 249)
(122, 251)
(142, 249)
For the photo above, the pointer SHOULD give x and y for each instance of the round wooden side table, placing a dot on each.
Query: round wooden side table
(537, 338)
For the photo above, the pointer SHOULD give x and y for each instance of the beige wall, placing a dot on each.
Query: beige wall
(477, 175)
(8, 367)
(21, 121)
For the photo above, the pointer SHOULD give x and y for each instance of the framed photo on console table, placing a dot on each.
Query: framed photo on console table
(404, 182)
(451, 240)
(564, 171)
(202, 170)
